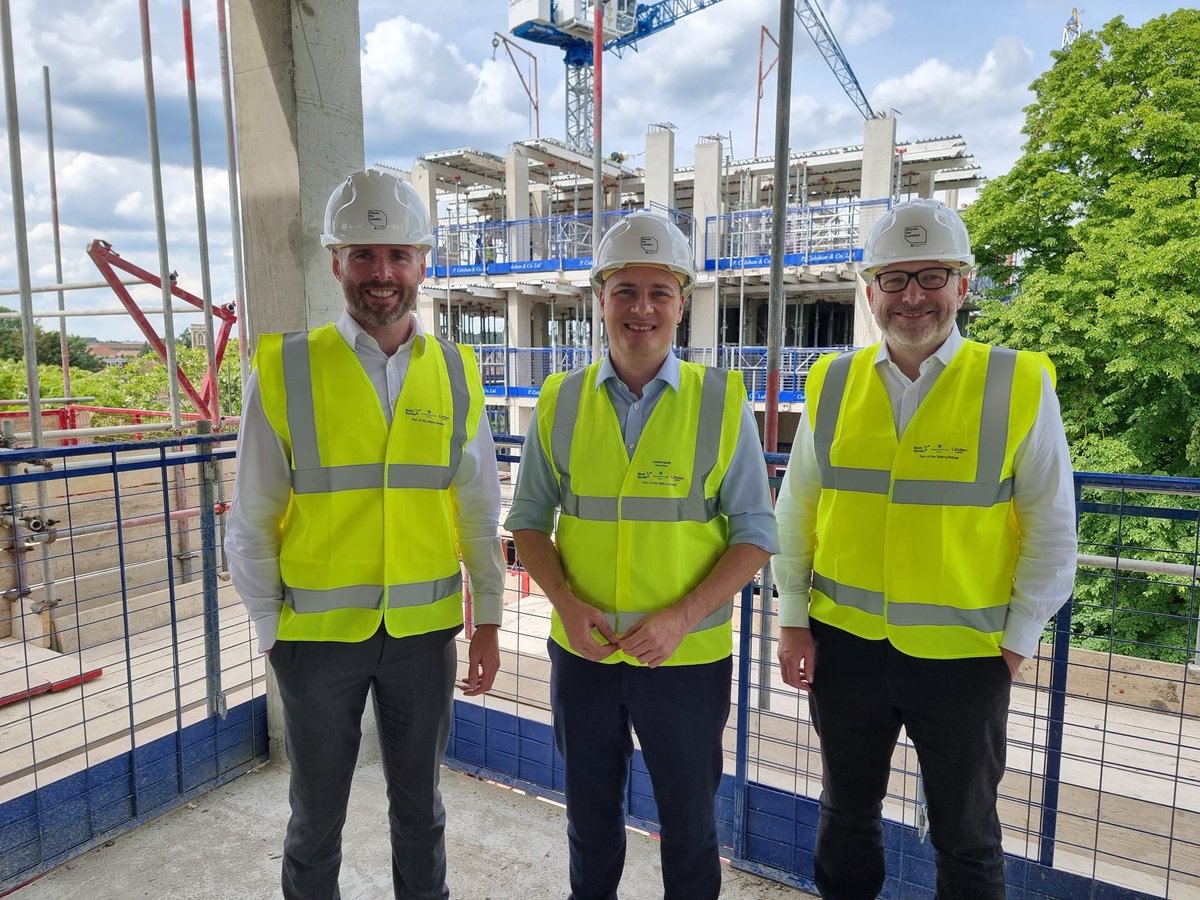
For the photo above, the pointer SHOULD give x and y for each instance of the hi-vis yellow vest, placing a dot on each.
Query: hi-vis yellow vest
(635, 535)
(917, 538)
(369, 532)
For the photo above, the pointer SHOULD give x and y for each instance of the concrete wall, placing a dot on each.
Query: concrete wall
(660, 168)
(298, 92)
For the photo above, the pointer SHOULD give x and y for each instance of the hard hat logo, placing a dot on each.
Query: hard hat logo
(376, 207)
(649, 244)
(916, 236)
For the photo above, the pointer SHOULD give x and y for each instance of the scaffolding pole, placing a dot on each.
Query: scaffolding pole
(597, 180)
(160, 221)
(235, 215)
(63, 346)
(210, 337)
(775, 306)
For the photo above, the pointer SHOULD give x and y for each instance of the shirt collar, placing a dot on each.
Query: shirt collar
(352, 333)
(943, 354)
(668, 372)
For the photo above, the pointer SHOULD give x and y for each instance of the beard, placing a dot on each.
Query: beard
(916, 335)
(363, 309)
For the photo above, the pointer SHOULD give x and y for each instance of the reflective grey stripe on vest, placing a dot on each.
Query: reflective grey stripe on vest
(986, 490)
(623, 621)
(989, 619)
(310, 477)
(695, 507)
(370, 596)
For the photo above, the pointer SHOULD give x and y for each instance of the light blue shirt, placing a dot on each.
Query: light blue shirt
(744, 496)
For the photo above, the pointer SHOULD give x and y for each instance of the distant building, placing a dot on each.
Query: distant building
(199, 336)
(116, 353)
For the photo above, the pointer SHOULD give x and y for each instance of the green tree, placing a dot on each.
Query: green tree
(49, 346)
(1093, 241)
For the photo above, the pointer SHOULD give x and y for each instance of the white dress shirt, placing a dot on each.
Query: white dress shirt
(263, 488)
(1043, 497)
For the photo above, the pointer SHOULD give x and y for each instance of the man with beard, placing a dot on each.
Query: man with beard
(928, 532)
(365, 467)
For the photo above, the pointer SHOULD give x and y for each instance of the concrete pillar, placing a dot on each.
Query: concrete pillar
(952, 198)
(866, 329)
(516, 202)
(706, 201)
(660, 168)
(539, 330)
(878, 164)
(424, 182)
(925, 184)
(426, 312)
(703, 321)
(299, 120)
(520, 322)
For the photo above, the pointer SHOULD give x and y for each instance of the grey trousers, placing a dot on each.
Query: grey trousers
(324, 686)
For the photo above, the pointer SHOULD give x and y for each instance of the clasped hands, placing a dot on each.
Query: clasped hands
(651, 641)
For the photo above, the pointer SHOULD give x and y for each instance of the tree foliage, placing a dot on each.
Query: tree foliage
(1094, 235)
(1093, 239)
(49, 346)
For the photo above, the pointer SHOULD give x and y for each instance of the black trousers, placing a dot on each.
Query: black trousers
(955, 713)
(679, 713)
(324, 686)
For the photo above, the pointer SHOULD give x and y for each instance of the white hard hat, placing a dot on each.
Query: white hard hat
(915, 231)
(644, 238)
(375, 207)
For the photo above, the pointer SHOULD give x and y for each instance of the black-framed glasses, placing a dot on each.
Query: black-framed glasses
(930, 279)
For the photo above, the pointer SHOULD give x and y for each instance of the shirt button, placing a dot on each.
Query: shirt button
(637, 406)
(630, 446)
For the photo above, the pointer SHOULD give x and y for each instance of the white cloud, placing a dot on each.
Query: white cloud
(984, 104)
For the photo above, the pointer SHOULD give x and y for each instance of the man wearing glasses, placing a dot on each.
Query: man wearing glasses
(927, 528)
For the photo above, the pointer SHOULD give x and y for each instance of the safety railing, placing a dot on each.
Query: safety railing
(139, 685)
(521, 371)
(824, 233)
(129, 679)
(1102, 793)
(546, 244)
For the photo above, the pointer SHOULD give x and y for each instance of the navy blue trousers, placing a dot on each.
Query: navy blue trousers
(955, 712)
(679, 714)
(324, 687)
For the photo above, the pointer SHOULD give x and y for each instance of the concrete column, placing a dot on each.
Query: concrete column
(539, 330)
(866, 329)
(706, 201)
(879, 150)
(424, 182)
(520, 323)
(952, 199)
(516, 201)
(660, 168)
(426, 312)
(298, 93)
(925, 184)
(703, 323)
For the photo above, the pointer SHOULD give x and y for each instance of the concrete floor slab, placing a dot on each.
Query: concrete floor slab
(502, 845)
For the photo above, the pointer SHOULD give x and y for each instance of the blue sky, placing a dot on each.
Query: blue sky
(430, 83)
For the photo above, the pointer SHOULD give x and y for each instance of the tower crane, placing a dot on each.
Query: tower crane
(569, 23)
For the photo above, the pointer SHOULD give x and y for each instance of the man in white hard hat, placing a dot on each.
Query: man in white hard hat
(928, 531)
(365, 467)
(664, 513)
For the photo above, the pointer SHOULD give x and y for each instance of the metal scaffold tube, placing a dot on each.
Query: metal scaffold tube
(235, 216)
(20, 229)
(160, 223)
(210, 337)
(775, 305)
(597, 181)
(63, 346)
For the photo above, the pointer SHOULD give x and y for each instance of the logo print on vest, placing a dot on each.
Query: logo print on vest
(659, 475)
(938, 451)
(420, 416)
